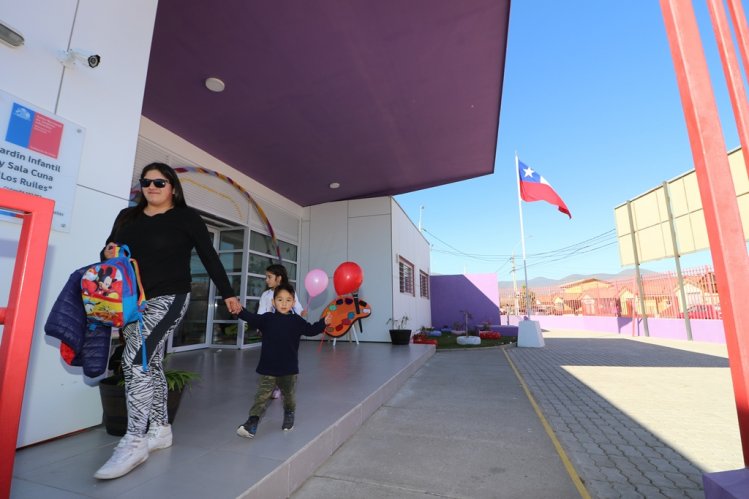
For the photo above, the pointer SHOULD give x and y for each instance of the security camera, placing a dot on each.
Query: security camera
(72, 56)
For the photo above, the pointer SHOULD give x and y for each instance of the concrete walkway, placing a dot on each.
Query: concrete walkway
(462, 426)
(588, 415)
(635, 418)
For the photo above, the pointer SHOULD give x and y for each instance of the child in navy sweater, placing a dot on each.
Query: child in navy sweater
(279, 355)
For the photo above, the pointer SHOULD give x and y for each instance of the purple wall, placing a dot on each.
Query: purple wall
(710, 331)
(476, 293)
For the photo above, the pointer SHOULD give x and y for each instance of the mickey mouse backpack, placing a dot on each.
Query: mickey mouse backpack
(111, 291)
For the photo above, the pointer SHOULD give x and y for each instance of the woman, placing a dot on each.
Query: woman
(161, 231)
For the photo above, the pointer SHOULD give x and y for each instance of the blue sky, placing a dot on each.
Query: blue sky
(590, 101)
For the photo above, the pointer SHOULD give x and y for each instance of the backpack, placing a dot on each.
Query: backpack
(111, 291)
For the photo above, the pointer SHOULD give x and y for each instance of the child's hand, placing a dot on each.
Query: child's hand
(328, 319)
(109, 250)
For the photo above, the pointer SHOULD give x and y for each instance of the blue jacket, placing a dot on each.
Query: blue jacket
(81, 344)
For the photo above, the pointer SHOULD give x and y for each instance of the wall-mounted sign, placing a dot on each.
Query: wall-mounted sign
(40, 154)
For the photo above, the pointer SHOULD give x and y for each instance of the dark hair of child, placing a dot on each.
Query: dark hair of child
(284, 286)
(279, 270)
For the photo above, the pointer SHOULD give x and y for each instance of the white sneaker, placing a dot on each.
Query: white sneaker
(159, 437)
(129, 453)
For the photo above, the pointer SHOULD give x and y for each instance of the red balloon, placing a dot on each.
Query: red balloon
(347, 278)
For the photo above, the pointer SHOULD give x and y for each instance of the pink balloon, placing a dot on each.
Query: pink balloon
(315, 282)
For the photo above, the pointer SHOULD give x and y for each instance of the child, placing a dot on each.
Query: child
(279, 355)
(275, 275)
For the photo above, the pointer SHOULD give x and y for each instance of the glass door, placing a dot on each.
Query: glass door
(192, 334)
(231, 250)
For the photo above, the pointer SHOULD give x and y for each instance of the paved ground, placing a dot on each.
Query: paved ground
(460, 427)
(634, 417)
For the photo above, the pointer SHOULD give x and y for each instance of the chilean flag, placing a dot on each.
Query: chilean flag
(533, 187)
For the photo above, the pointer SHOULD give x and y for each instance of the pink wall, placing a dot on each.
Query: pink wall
(706, 330)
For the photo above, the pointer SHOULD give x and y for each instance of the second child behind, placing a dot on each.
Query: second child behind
(279, 355)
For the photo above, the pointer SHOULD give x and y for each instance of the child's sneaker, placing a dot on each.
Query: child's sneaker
(249, 429)
(159, 437)
(276, 393)
(129, 453)
(288, 420)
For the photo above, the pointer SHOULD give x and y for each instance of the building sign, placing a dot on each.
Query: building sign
(39, 155)
(650, 227)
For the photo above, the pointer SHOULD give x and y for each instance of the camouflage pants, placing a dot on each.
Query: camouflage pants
(265, 386)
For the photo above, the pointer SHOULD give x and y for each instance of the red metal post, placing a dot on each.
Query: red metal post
(19, 317)
(732, 73)
(742, 31)
(717, 192)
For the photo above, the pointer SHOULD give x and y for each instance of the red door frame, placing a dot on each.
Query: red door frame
(19, 317)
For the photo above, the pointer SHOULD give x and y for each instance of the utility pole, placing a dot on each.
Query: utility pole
(421, 211)
(515, 286)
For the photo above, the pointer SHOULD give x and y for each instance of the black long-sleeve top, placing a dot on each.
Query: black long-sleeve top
(279, 353)
(162, 245)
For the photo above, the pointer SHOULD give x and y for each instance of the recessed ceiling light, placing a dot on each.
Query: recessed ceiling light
(214, 84)
(334, 185)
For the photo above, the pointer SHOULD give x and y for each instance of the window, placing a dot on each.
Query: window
(406, 276)
(423, 284)
(262, 254)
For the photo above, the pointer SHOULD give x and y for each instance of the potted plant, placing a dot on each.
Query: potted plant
(112, 393)
(399, 335)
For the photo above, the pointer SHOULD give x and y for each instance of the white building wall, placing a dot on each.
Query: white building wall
(411, 245)
(369, 245)
(357, 231)
(107, 102)
(373, 233)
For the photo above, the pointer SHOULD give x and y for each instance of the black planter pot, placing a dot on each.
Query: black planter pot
(115, 409)
(400, 336)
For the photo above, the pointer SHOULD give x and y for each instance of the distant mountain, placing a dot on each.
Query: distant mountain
(542, 282)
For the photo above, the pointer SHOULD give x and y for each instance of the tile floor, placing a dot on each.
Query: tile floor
(339, 388)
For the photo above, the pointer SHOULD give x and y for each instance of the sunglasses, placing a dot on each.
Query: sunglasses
(158, 182)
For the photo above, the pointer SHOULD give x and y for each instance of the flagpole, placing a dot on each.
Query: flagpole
(522, 238)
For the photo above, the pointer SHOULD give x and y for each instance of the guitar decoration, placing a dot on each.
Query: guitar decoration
(346, 310)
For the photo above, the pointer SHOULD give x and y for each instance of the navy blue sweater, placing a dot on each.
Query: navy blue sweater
(279, 354)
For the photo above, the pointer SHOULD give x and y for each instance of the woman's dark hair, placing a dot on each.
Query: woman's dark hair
(279, 270)
(178, 196)
(284, 287)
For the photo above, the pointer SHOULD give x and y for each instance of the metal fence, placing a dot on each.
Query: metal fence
(661, 297)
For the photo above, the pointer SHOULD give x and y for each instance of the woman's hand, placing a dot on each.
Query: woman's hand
(232, 303)
(109, 250)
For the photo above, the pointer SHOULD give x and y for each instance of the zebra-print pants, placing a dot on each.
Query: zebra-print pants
(146, 392)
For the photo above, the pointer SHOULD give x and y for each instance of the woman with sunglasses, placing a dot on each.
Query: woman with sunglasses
(161, 231)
